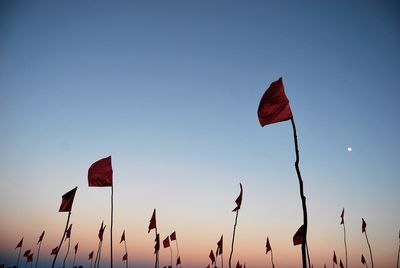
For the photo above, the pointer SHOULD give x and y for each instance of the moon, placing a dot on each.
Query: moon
(349, 149)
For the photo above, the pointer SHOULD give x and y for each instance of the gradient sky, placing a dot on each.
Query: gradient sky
(170, 89)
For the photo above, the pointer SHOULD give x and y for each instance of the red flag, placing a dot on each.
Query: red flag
(54, 251)
(76, 247)
(334, 257)
(68, 232)
(90, 255)
(362, 259)
(166, 242)
(40, 238)
(238, 265)
(274, 105)
(239, 199)
(173, 236)
(19, 245)
(100, 173)
(220, 246)
(268, 246)
(101, 231)
(341, 264)
(298, 236)
(157, 245)
(342, 216)
(125, 257)
(29, 258)
(26, 254)
(67, 200)
(122, 237)
(364, 225)
(178, 261)
(153, 224)
(212, 257)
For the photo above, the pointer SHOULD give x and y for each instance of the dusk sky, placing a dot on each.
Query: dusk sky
(170, 89)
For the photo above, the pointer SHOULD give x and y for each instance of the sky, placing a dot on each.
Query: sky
(170, 89)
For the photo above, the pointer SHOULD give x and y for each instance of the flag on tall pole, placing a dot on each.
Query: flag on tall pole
(267, 249)
(91, 258)
(125, 257)
(364, 230)
(178, 258)
(98, 254)
(19, 245)
(334, 259)
(100, 174)
(40, 244)
(274, 107)
(75, 251)
(212, 257)
(220, 250)
(66, 206)
(67, 236)
(153, 225)
(344, 233)
(54, 251)
(166, 244)
(238, 202)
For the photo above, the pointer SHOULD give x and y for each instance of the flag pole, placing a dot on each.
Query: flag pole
(66, 255)
(345, 244)
(98, 261)
(19, 254)
(398, 253)
(233, 239)
(156, 264)
(370, 251)
(111, 228)
(62, 239)
(308, 256)
(272, 259)
(37, 257)
(170, 248)
(91, 262)
(177, 252)
(303, 198)
(73, 263)
(126, 251)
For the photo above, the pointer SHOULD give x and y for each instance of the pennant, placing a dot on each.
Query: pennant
(101, 231)
(29, 258)
(67, 200)
(238, 265)
(166, 242)
(100, 173)
(268, 246)
(40, 238)
(26, 254)
(334, 257)
(362, 259)
(68, 232)
(54, 251)
(298, 236)
(342, 216)
(178, 261)
(152, 224)
(122, 237)
(341, 264)
(125, 257)
(90, 255)
(239, 199)
(212, 257)
(19, 245)
(76, 247)
(274, 105)
(157, 245)
(364, 225)
(219, 246)
(173, 236)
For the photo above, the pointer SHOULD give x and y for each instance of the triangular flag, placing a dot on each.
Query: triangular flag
(100, 173)
(268, 246)
(91, 255)
(54, 251)
(76, 247)
(212, 257)
(362, 259)
(19, 245)
(363, 226)
(342, 216)
(67, 201)
(101, 231)
(153, 223)
(29, 258)
(166, 242)
(157, 245)
(334, 257)
(173, 236)
(341, 264)
(122, 237)
(178, 261)
(298, 236)
(220, 246)
(40, 238)
(26, 254)
(239, 199)
(125, 257)
(68, 232)
(238, 265)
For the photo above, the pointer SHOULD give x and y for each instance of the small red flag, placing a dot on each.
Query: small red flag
(90, 255)
(274, 105)
(342, 216)
(19, 245)
(364, 225)
(239, 199)
(125, 257)
(362, 259)
(341, 264)
(173, 236)
(101, 231)
(152, 224)
(54, 251)
(26, 254)
(76, 247)
(122, 237)
(212, 257)
(334, 257)
(166, 242)
(29, 258)
(157, 245)
(68, 232)
(220, 246)
(100, 173)
(298, 236)
(40, 238)
(67, 200)
(238, 265)
(268, 246)
(178, 261)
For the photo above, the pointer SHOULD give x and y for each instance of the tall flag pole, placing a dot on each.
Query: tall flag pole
(363, 229)
(100, 174)
(125, 257)
(178, 258)
(166, 244)
(91, 258)
(238, 204)
(220, 250)
(66, 206)
(76, 250)
(274, 107)
(153, 225)
(344, 234)
(398, 252)
(40, 244)
(98, 254)
(334, 259)
(19, 245)
(67, 236)
(268, 248)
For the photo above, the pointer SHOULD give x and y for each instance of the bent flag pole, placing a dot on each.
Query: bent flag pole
(236, 209)
(100, 174)
(364, 230)
(274, 107)
(66, 206)
(344, 233)
(40, 244)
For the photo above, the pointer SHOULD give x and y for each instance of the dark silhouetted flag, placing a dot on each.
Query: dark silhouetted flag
(100, 173)
(341, 264)
(76, 247)
(363, 226)
(90, 255)
(26, 254)
(19, 245)
(334, 257)
(173, 236)
(29, 258)
(362, 259)
(68, 232)
(178, 261)
(67, 200)
(239, 199)
(54, 251)
(157, 245)
(274, 105)
(268, 246)
(212, 257)
(166, 242)
(101, 231)
(298, 236)
(238, 265)
(342, 216)
(122, 237)
(125, 257)
(40, 238)
(220, 246)
(153, 223)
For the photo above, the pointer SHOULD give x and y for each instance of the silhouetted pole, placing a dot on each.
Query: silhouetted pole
(112, 219)
(370, 251)
(126, 252)
(66, 255)
(62, 239)
(37, 257)
(177, 252)
(170, 248)
(398, 252)
(157, 263)
(233, 239)
(19, 254)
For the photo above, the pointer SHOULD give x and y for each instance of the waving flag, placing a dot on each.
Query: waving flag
(220, 246)
(29, 258)
(157, 245)
(363, 226)
(362, 259)
(125, 257)
(212, 257)
(268, 246)
(91, 255)
(342, 216)
(334, 257)
(40, 238)
(178, 261)
(100, 173)
(166, 242)
(67, 201)
(76, 247)
(19, 245)
(122, 237)
(341, 264)
(26, 254)
(101, 231)
(54, 251)
(152, 224)
(298, 236)
(68, 233)
(239, 199)
(173, 236)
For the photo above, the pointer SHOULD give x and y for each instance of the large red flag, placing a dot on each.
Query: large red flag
(100, 173)
(153, 224)
(54, 251)
(157, 245)
(29, 258)
(19, 245)
(212, 257)
(166, 242)
(173, 236)
(220, 246)
(68, 232)
(90, 255)
(178, 261)
(67, 200)
(362, 259)
(40, 238)
(274, 105)
(76, 247)
(363, 226)
(101, 231)
(122, 237)
(299, 236)
(334, 257)
(239, 199)
(268, 246)
(342, 216)
(125, 257)
(26, 254)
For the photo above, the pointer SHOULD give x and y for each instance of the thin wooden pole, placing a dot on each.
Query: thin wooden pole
(370, 251)
(112, 219)
(398, 252)
(345, 244)
(98, 261)
(62, 239)
(177, 252)
(37, 257)
(156, 264)
(272, 259)
(233, 239)
(19, 254)
(73, 263)
(170, 248)
(126, 252)
(91, 262)
(66, 255)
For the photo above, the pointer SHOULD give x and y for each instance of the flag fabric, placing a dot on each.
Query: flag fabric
(40, 238)
(173, 236)
(100, 173)
(76, 247)
(274, 105)
(239, 199)
(298, 236)
(212, 257)
(68, 232)
(238, 265)
(125, 257)
(268, 246)
(166, 242)
(153, 223)
(26, 254)
(67, 200)
(101, 231)
(90, 255)
(341, 264)
(178, 261)
(29, 258)
(362, 259)
(363, 226)
(54, 251)
(342, 216)
(122, 237)
(334, 257)
(19, 245)
(220, 246)
(157, 245)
